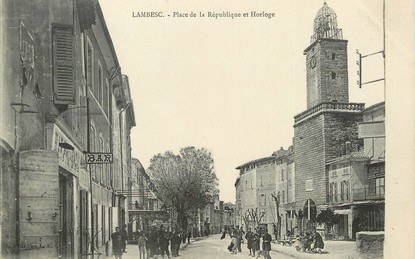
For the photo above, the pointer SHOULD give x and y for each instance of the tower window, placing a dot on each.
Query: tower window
(333, 56)
(333, 75)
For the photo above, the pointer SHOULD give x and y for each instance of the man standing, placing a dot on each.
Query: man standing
(189, 235)
(175, 243)
(266, 244)
(124, 237)
(117, 243)
(164, 242)
(250, 240)
(240, 235)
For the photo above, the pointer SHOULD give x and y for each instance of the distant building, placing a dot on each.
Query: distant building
(214, 217)
(262, 183)
(285, 190)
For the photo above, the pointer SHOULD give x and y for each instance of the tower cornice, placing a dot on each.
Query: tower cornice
(320, 40)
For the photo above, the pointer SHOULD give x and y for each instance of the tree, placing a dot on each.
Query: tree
(277, 204)
(184, 182)
(254, 216)
(328, 218)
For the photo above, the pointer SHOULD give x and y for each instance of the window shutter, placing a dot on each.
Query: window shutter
(63, 69)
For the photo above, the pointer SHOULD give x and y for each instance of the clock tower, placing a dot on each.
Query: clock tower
(329, 125)
(326, 57)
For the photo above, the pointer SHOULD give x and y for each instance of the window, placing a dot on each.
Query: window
(100, 84)
(89, 64)
(282, 174)
(101, 167)
(347, 184)
(342, 191)
(106, 97)
(333, 56)
(262, 199)
(331, 192)
(63, 67)
(283, 196)
(103, 223)
(260, 178)
(335, 191)
(92, 139)
(309, 185)
(109, 223)
(333, 75)
(380, 186)
(95, 223)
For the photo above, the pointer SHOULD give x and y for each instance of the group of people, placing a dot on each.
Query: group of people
(157, 243)
(310, 242)
(119, 241)
(253, 241)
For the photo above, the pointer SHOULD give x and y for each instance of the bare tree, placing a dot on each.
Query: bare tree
(277, 205)
(253, 215)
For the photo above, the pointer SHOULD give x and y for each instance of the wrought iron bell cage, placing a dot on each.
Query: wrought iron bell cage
(325, 25)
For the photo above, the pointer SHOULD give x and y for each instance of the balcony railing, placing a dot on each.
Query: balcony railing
(330, 106)
(358, 194)
(371, 193)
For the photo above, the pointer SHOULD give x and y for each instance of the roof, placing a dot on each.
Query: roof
(375, 107)
(256, 161)
(355, 156)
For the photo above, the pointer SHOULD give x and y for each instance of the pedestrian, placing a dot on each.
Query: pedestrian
(318, 242)
(234, 245)
(164, 242)
(255, 242)
(117, 243)
(239, 236)
(183, 235)
(250, 240)
(223, 234)
(124, 237)
(153, 243)
(266, 244)
(175, 241)
(142, 243)
(189, 235)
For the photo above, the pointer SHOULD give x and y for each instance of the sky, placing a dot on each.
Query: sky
(232, 86)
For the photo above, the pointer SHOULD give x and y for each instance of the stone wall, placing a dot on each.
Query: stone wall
(370, 244)
(316, 140)
(324, 58)
(309, 159)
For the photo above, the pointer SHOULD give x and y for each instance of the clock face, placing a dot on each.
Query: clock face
(313, 62)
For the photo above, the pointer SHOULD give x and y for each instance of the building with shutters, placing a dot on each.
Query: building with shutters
(63, 96)
(356, 180)
(262, 194)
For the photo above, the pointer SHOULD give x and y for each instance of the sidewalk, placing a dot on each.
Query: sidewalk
(133, 253)
(333, 249)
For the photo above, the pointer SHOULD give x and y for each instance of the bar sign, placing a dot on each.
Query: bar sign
(98, 158)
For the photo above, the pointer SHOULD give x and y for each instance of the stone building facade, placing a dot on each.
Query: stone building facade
(62, 93)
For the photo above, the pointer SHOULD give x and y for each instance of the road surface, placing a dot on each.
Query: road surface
(214, 248)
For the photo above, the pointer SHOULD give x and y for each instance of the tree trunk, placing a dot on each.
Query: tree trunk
(182, 220)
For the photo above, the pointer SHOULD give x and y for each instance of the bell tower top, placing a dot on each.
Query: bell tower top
(325, 25)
